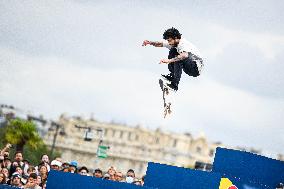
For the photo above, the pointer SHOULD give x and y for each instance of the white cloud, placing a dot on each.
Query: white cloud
(269, 44)
(51, 86)
(84, 58)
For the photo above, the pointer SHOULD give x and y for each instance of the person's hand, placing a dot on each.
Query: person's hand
(165, 61)
(30, 185)
(6, 154)
(146, 42)
(8, 145)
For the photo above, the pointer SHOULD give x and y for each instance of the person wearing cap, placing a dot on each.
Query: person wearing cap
(65, 167)
(84, 171)
(20, 171)
(73, 167)
(98, 173)
(16, 180)
(55, 165)
(65, 164)
(106, 176)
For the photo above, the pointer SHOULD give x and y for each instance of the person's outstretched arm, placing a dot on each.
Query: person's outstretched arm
(6, 148)
(179, 57)
(153, 43)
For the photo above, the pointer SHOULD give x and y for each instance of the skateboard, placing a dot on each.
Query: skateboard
(166, 92)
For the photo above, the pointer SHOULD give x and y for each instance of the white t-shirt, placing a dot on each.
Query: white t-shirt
(184, 46)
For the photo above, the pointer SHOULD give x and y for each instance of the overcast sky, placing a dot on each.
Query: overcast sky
(85, 57)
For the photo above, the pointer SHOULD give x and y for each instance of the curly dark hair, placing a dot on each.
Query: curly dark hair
(171, 33)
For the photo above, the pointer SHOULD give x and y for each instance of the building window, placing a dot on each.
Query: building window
(157, 140)
(121, 134)
(198, 149)
(141, 166)
(175, 143)
(211, 153)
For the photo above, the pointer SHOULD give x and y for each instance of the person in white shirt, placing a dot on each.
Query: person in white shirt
(183, 55)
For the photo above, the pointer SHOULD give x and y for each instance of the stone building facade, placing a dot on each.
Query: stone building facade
(280, 157)
(130, 147)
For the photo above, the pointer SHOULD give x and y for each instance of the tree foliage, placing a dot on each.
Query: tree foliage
(22, 132)
(23, 135)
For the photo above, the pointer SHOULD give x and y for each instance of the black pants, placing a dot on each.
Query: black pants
(188, 65)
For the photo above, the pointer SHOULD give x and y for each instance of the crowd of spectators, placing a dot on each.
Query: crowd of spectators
(19, 172)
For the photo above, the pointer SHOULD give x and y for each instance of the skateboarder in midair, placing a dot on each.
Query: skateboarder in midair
(183, 55)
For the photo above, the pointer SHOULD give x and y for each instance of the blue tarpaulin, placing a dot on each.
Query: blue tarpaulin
(61, 180)
(7, 187)
(251, 170)
(169, 177)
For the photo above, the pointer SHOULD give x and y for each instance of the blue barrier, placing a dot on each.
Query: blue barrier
(4, 186)
(61, 180)
(247, 169)
(170, 177)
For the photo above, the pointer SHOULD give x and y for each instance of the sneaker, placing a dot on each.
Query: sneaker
(172, 87)
(167, 77)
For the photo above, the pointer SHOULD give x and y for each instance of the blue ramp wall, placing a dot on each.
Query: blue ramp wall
(250, 169)
(61, 180)
(169, 177)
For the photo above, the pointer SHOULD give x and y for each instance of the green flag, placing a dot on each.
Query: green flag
(102, 151)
